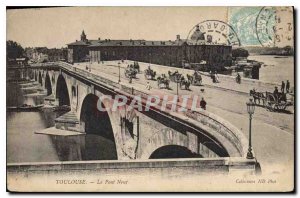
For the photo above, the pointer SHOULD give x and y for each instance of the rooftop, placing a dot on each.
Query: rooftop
(197, 39)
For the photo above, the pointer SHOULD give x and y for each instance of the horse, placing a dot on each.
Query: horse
(257, 96)
(129, 72)
(194, 79)
(162, 81)
(150, 74)
(174, 77)
(185, 83)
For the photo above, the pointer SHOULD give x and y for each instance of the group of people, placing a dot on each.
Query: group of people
(285, 87)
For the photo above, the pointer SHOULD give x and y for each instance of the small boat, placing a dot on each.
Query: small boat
(280, 56)
(62, 108)
(25, 107)
(48, 107)
(12, 108)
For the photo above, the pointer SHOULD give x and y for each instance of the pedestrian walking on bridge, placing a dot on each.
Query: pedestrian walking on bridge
(282, 86)
(287, 86)
(203, 104)
(276, 93)
(148, 86)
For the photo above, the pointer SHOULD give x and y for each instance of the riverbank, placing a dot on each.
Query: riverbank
(275, 70)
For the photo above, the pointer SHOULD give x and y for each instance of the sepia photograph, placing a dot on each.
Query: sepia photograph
(150, 99)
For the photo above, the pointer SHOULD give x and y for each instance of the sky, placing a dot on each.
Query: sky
(55, 27)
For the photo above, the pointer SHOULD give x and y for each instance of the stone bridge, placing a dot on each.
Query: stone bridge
(133, 134)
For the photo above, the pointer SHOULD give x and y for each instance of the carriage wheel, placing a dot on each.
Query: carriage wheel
(281, 106)
(270, 106)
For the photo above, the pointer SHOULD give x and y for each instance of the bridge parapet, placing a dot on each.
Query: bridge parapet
(223, 127)
(212, 121)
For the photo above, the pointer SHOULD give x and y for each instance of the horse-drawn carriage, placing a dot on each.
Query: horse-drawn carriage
(184, 84)
(163, 82)
(271, 101)
(130, 72)
(135, 66)
(195, 79)
(179, 78)
(150, 74)
(175, 76)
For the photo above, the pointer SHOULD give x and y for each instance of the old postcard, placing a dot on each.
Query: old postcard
(156, 99)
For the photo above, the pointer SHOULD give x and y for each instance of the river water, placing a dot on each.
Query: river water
(275, 69)
(24, 145)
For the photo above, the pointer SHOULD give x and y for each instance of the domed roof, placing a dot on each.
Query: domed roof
(197, 35)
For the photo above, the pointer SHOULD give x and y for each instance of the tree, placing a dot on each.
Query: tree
(240, 52)
(288, 50)
(14, 50)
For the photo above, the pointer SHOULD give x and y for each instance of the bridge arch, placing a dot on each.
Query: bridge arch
(99, 140)
(173, 151)
(48, 85)
(62, 94)
(35, 75)
(40, 78)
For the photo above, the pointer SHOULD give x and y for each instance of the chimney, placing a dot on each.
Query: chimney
(209, 38)
(178, 37)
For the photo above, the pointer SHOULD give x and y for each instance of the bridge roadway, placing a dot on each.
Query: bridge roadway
(273, 132)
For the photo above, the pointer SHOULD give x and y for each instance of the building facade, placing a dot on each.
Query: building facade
(43, 54)
(170, 53)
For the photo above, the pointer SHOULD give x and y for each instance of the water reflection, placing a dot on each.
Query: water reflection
(84, 147)
(23, 145)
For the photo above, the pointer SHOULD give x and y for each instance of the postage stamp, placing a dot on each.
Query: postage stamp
(243, 20)
(266, 26)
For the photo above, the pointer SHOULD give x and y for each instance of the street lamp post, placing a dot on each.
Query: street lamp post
(177, 79)
(250, 109)
(177, 89)
(119, 72)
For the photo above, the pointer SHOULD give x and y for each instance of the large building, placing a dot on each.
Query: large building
(172, 53)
